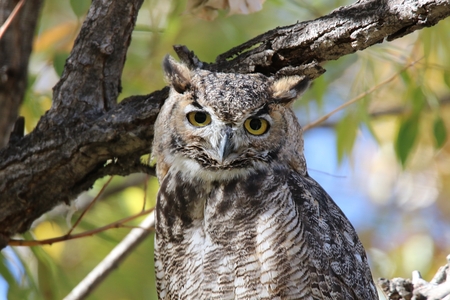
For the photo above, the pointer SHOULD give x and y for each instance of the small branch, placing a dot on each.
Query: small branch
(11, 18)
(418, 288)
(117, 224)
(18, 130)
(144, 201)
(89, 206)
(118, 254)
(359, 97)
(394, 111)
(131, 180)
(122, 166)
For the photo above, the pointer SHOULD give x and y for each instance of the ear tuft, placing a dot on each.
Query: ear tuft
(178, 75)
(287, 89)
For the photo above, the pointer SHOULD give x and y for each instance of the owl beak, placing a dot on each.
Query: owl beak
(226, 145)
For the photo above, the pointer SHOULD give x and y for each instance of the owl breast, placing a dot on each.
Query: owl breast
(236, 239)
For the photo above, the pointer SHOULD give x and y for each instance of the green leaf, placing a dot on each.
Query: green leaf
(105, 235)
(428, 44)
(447, 78)
(418, 99)
(406, 137)
(346, 131)
(366, 119)
(15, 270)
(80, 7)
(335, 68)
(5, 271)
(319, 88)
(440, 132)
(406, 78)
(59, 61)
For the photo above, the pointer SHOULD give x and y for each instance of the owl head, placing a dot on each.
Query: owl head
(219, 126)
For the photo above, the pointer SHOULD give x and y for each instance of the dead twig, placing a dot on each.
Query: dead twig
(117, 224)
(11, 18)
(89, 206)
(359, 97)
(110, 262)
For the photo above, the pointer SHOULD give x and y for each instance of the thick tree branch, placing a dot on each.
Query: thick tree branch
(302, 46)
(78, 135)
(76, 141)
(58, 166)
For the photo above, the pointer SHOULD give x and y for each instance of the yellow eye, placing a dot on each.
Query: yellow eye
(199, 118)
(256, 126)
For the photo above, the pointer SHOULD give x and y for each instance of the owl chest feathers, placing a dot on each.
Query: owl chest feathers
(237, 239)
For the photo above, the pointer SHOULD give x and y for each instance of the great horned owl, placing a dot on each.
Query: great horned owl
(238, 216)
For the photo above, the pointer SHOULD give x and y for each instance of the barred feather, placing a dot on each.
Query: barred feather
(253, 225)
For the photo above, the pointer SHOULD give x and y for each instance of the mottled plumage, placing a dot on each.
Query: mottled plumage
(238, 216)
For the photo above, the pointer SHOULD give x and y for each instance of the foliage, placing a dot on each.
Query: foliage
(405, 181)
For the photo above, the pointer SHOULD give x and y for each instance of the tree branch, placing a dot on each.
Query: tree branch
(110, 262)
(359, 97)
(419, 289)
(18, 20)
(57, 165)
(303, 46)
(70, 236)
(84, 130)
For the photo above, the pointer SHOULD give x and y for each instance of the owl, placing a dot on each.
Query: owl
(237, 215)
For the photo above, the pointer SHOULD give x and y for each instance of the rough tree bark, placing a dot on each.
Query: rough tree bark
(72, 143)
(15, 49)
(86, 135)
(417, 288)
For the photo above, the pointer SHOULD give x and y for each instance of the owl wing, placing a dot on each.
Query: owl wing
(338, 263)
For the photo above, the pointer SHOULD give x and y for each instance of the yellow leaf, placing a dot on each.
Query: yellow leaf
(47, 230)
(134, 199)
(61, 36)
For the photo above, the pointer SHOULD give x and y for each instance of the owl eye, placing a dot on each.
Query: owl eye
(256, 126)
(199, 118)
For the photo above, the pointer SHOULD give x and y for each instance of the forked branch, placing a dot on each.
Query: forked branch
(85, 134)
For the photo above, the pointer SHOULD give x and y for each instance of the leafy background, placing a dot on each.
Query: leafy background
(385, 159)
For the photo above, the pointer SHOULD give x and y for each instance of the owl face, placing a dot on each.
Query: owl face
(221, 125)
(225, 143)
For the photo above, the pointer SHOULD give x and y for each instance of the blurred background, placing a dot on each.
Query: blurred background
(385, 160)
